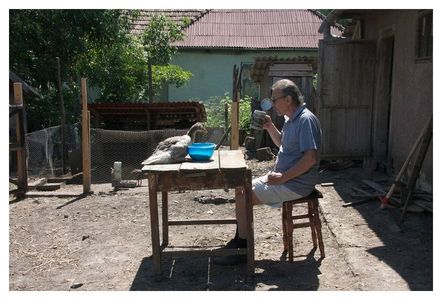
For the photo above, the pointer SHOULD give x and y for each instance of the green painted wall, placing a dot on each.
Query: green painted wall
(212, 70)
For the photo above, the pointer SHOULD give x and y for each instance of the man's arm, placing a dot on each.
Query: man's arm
(307, 161)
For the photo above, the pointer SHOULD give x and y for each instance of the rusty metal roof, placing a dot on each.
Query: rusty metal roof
(161, 114)
(255, 29)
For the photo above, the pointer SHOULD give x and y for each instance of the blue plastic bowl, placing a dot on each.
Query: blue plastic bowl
(201, 151)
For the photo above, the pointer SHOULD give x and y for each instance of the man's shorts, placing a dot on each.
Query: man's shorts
(272, 195)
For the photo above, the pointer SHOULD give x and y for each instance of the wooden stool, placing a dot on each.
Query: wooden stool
(313, 222)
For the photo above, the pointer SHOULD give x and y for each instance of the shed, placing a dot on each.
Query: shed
(375, 89)
(146, 116)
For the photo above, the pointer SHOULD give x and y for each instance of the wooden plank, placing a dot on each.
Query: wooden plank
(50, 186)
(353, 203)
(203, 252)
(351, 132)
(365, 193)
(375, 186)
(339, 130)
(201, 222)
(161, 168)
(193, 181)
(428, 206)
(54, 194)
(233, 159)
(326, 131)
(211, 165)
(36, 183)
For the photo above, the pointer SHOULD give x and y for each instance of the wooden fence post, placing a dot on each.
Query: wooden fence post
(85, 139)
(22, 174)
(234, 122)
(234, 142)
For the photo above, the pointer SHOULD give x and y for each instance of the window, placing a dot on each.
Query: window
(424, 41)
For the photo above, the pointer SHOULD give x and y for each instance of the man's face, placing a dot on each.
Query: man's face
(279, 101)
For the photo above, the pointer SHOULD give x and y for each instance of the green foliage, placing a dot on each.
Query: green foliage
(38, 36)
(44, 111)
(120, 72)
(215, 111)
(315, 81)
(186, 21)
(95, 44)
(170, 74)
(158, 36)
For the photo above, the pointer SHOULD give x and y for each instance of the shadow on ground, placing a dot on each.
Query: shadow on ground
(186, 274)
(408, 246)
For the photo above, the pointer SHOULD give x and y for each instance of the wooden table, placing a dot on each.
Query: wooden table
(226, 169)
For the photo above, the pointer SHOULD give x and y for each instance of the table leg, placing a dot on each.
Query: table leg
(165, 218)
(153, 206)
(250, 234)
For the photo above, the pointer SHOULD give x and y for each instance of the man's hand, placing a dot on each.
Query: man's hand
(267, 123)
(275, 178)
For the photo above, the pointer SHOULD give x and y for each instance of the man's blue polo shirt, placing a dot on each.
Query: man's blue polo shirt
(300, 133)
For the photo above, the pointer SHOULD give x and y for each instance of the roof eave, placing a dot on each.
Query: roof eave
(247, 48)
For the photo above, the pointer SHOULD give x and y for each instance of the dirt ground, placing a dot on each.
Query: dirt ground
(101, 242)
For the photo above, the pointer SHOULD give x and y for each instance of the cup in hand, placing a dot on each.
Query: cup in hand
(258, 119)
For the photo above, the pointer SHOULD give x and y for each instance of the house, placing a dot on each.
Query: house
(267, 43)
(375, 87)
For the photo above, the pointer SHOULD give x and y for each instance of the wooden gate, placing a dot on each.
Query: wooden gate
(345, 97)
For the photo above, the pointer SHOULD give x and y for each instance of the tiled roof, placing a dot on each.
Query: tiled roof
(255, 29)
(176, 15)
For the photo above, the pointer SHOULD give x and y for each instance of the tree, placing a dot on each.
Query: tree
(37, 37)
(96, 44)
(156, 40)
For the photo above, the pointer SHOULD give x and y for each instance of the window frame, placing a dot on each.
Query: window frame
(424, 34)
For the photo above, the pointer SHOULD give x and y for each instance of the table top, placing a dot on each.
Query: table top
(220, 160)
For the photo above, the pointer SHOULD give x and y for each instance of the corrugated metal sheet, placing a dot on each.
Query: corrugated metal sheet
(255, 29)
(175, 15)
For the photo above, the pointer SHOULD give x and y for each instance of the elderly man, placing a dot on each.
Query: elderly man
(296, 169)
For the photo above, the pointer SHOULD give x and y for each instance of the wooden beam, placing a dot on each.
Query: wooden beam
(22, 174)
(85, 139)
(234, 140)
(234, 121)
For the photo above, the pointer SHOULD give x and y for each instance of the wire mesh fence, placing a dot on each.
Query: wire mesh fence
(44, 150)
(128, 147)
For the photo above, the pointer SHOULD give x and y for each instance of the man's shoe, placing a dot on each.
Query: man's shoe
(232, 259)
